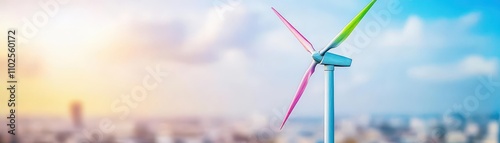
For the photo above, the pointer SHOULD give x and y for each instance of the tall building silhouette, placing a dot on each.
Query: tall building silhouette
(76, 114)
(14, 139)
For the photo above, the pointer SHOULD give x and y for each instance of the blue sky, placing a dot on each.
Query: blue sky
(425, 61)
(235, 57)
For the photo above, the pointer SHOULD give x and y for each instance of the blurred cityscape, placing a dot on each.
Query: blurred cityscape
(257, 129)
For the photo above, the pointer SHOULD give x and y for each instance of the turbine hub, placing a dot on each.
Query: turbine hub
(317, 57)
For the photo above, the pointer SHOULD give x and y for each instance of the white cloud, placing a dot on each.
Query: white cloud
(360, 78)
(410, 35)
(442, 33)
(470, 19)
(473, 65)
(478, 65)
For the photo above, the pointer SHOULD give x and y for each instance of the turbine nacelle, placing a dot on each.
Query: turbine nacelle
(332, 59)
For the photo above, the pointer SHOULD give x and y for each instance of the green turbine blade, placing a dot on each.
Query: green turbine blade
(347, 29)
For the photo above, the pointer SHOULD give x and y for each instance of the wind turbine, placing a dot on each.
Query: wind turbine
(330, 61)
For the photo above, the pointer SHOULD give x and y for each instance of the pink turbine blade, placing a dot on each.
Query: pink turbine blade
(296, 33)
(300, 90)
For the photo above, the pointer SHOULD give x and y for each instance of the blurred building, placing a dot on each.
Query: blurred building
(76, 114)
(369, 129)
